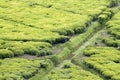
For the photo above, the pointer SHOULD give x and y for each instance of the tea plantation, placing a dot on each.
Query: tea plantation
(59, 39)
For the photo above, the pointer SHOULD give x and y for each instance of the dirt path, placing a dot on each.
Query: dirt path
(79, 53)
(88, 42)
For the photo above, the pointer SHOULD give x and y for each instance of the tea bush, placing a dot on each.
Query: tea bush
(20, 69)
(17, 48)
(4, 53)
(70, 71)
(105, 60)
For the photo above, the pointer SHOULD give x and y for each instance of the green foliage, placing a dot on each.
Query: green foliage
(33, 48)
(31, 23)
(113, 31)
(72, 45)
(37, 21)
(84, 7)
(113, 26)
(4, 53)
(28, 25)
(102, 18)
(10, 77)
(63, 55)
(44, 51)
(17, 51)
(111, 42)
(70, 71)
(105, 60)
(20, 69)
(78, 40)
(105, 16)
(45, 19)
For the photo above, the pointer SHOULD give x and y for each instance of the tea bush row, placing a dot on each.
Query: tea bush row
(21, 69)
(105, 60)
